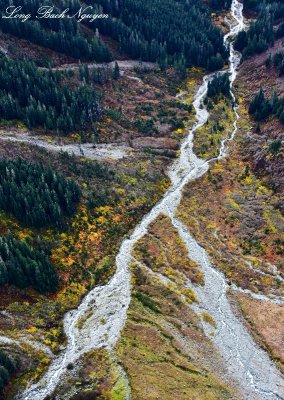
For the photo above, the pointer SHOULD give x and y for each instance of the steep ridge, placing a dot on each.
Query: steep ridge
(257, 375)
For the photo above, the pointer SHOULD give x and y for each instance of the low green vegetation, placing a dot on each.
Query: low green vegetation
(36, 195)
(209, 319)
(275, 146)
(147, 301)
(152, 346)
(219, 125)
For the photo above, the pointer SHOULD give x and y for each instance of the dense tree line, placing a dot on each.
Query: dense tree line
(99, 75)
(280, 31)
(257, 6)
(219, 85)
(35, 194)
(7, 367)
(38, 98)
(63, 35)
(277, 61)
(260, 108)
(261, 34)
(167, 31)
(220, 4)
(23, 266)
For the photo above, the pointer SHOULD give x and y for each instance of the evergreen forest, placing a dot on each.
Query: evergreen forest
(7, 367)
(220, 4)
(261, 108)
(277, 61)
(62, 35)
(165, 31)
(264, 31)
(23, 266)
(37, 196)
(40, 99)
(219, 85)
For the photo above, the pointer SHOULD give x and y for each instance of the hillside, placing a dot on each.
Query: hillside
(141, 200)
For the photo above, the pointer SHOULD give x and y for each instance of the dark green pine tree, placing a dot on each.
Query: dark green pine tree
(116, 71)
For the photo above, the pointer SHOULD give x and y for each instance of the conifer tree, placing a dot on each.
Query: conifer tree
(116, 71)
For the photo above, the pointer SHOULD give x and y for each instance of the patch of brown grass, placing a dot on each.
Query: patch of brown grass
(266, 320)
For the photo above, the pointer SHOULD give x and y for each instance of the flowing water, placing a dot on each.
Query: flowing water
(245, 361)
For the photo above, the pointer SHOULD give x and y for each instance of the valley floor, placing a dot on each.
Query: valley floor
(167, 348)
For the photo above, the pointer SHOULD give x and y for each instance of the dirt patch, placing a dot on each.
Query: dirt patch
(154, 143)
(20, 48)
(253, 74)
(267, 322)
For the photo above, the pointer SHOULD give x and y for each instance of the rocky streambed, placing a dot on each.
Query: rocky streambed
(103, 312)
